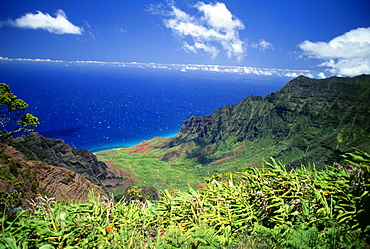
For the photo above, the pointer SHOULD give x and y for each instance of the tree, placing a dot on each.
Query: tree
(13, 116)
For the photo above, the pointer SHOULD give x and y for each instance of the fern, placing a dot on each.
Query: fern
(268, 207)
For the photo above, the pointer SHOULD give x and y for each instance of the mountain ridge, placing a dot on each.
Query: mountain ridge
(307, 120)
(303, 104)
(58, 153)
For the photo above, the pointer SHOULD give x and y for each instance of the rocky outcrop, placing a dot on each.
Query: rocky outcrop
(57, 153)
(307, 120)
(22, 181)
(63, 184)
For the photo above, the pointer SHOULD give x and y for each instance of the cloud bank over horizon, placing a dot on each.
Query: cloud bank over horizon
(347, 54)
(55, 25)
(243, 70)
(214, 31)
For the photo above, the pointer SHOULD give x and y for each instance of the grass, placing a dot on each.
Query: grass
(146, 168)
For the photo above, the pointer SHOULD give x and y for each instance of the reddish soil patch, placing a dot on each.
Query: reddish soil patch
(163, 181)
(125, 173)
(253, 164)
(130, 181)
(200, 185)
(113, 166)
(14, 153)
(109, 163)
(114, 171)
(209, 149)
(226, 159)
(141, 148)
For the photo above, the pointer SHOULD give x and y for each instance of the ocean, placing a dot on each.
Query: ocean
(99, 107)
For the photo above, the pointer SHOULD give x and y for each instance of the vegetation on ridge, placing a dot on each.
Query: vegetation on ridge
(13, 118)
(308, 120)
(269, 207)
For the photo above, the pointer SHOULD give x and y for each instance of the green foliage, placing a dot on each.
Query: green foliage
(18, 183)
(135, 192)
(270, 207)
(13, 118)
(302, 236)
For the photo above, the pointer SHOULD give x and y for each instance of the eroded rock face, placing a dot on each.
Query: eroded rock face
(64, 184)
(24, 180)
(57, 153)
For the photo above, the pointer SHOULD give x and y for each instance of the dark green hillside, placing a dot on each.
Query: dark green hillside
(307, 120)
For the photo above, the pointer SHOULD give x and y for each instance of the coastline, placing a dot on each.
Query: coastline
(118, 146)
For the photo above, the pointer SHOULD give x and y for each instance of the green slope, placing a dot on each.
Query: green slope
(308, 120)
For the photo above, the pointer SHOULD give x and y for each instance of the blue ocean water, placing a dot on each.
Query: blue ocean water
(99, 107)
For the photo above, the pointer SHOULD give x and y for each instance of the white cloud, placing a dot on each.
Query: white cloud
(89, 30)
(321, 75)
(219, 17)
(347, 54)
(56, 25)
(212, 50)
(188, 48)
(189, 67)
(291, 74)
(216, 28)
(262, 45)
(265, 45)
(351, 67)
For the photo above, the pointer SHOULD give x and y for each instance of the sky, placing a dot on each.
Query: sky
(323, 37)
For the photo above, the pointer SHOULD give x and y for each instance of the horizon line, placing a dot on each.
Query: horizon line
(188, 67)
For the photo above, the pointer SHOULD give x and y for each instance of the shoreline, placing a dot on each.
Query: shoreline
(127, 145)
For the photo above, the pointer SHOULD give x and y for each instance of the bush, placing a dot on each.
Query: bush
(269, 207)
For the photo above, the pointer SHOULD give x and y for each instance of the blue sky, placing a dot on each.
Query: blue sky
(325, 37)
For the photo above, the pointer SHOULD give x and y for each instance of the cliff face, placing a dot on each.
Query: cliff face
(307, 120)
(34, 164)
(57, 153)
(63, 184)
(22, 180)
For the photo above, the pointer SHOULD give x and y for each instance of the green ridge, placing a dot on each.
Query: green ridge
(308, 120)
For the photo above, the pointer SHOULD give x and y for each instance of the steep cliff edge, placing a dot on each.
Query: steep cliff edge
(33, 164)
(57, 153)
(22, 181)
(307, 120)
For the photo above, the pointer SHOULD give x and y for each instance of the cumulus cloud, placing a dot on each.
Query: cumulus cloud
(347, 54)
(215, 29)
(321, 75)
(56, 25)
